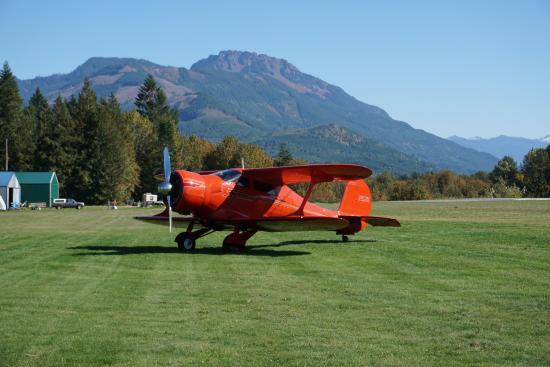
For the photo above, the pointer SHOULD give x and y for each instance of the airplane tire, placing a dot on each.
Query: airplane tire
(345, 238)
(186, 244)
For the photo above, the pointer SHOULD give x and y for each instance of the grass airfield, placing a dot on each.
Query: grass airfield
(464, 283)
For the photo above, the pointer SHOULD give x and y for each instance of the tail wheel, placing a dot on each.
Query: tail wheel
(345, 238)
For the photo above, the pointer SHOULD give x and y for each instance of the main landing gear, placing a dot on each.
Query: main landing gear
(234, 242)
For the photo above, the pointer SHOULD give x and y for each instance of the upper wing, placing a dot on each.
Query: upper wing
(277, 176)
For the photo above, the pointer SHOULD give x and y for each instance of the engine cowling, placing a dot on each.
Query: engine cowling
(188, 191)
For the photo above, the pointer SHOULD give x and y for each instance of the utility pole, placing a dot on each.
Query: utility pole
(6, 154)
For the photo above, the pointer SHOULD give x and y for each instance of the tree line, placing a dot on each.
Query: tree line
(101, 152)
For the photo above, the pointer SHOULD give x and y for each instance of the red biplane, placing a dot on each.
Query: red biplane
(245, 201)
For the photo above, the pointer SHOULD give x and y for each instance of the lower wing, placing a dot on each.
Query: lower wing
(273, 224)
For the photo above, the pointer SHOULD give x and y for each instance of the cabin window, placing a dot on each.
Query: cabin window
(243, 182)
(228, 175)
(262, 186)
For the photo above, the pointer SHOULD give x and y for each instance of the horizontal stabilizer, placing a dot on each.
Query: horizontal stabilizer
(382, 222)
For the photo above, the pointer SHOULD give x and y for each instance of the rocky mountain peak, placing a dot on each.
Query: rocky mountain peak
(260, 65)
(237, 61)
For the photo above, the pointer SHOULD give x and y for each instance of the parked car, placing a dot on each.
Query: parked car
(67, 203)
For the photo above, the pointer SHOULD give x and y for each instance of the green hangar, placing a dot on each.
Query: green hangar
(38, 187)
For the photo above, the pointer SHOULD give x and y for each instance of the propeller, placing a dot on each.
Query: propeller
(165, 187)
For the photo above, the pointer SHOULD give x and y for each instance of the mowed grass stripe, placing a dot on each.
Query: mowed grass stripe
(458, 284)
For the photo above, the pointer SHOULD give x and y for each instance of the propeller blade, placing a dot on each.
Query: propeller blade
(165, 187)
(169, 212)
(167, 165)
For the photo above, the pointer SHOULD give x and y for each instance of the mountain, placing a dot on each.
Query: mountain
(255, 97)
(334, 143)
(503, 145)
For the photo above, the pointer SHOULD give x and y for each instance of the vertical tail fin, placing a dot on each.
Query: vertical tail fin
(357, 199)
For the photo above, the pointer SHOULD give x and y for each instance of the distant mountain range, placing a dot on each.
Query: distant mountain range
(503, 145)
(268, 101)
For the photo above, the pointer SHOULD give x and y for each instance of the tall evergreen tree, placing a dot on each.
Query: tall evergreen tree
(13, 124)
(69, 140)
(284, 157)
(151, 102)
(46, 134)
(115, 171)
(536, 170)
(87, 121)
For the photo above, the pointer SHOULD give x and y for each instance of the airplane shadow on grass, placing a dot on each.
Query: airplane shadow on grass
(139, 250)
(254, 250)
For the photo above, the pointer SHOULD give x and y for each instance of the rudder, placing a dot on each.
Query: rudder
(357, 199)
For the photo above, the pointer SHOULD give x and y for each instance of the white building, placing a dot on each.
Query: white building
(10, 190)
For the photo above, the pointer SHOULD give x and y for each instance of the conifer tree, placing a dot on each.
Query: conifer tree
(284, 157)
(536, 170)
(86, 118)
(46, 133)
(115, 170)
(13, 124)
(151, 102)
(69, 147)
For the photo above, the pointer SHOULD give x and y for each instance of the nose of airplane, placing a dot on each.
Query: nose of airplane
(187, 191)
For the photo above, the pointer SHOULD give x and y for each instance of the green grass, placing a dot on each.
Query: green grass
(458, 284)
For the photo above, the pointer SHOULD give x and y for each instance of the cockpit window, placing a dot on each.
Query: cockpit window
(243, 182)
(228, 175)
(262, 186)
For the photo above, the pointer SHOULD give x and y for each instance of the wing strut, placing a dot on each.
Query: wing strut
(300, 210)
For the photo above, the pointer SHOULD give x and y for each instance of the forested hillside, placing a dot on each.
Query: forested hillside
(254, 96)
(101, 151)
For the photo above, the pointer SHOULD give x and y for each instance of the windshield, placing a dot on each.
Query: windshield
(228, 175)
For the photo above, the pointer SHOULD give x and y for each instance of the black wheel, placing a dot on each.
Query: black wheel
(57, 208)
(345, 238)
(186, 244)
(78, 207)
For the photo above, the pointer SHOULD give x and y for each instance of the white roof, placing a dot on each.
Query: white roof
(8, 179)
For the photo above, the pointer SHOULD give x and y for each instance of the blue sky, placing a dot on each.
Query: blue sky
(449, 67)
